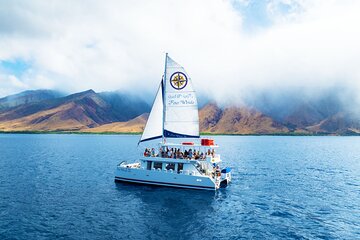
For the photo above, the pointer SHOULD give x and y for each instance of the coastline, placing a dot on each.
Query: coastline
(202, 133)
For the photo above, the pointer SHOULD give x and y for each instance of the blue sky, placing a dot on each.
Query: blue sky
(248, 44)
(254, 14)
(15, 67)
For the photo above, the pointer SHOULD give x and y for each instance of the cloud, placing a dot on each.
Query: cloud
(9, 83)
(109, 45)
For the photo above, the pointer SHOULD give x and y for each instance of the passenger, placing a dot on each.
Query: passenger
(169, 153)
(190, 154)
(145, 152)
(196, 155)
(208, 152)
(153, 152)
(185, 154)
(213, 153)
(202, 155)
(173, 153)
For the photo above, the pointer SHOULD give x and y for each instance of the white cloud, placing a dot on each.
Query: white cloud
(9, 83)
(108, 45)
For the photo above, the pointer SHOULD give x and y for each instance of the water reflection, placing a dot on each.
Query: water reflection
(168, 208)
(149, 194)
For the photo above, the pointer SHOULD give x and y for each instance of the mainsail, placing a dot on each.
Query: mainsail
(175, 111)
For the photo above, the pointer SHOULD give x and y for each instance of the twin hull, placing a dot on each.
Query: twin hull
(162, 178)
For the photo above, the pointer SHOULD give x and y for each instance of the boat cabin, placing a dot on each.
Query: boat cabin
(182, 158)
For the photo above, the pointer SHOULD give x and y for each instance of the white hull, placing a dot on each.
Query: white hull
(165, 178)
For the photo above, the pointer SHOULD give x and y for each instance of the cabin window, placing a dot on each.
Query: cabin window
(157, 165)
(148, 166)
(170, 166)
(180, 167)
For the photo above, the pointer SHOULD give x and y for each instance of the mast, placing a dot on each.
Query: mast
(163, 98)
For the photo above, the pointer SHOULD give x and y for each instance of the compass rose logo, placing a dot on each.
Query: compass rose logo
(178, 80)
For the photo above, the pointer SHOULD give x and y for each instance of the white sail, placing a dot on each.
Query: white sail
(174, 113)
(154, 127)
(180, 104)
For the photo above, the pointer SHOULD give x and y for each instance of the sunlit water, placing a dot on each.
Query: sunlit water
(62, 186)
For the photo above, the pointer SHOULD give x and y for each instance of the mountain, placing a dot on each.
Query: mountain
(71, 113)
(213, 119)
(237, 120)
(26, 97)
(343, 123)
(132, 126)
(125, 106)
(308, 113)
(88, 111)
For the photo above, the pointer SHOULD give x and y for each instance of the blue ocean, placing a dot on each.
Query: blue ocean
(62, 187)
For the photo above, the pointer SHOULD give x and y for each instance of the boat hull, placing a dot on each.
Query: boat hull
(162, 178)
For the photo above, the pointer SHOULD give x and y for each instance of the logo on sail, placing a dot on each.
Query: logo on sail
(178, 80)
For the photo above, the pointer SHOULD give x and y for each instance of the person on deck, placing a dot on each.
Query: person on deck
(213, 152)
(169, 153)
(147, 152)
(196, 155)
(190, 154)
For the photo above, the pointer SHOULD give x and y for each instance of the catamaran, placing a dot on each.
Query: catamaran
(190, 163)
